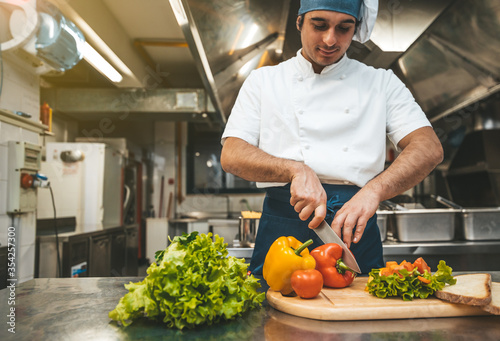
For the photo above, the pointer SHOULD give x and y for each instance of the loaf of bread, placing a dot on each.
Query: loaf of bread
(494, 306)
(471, 289)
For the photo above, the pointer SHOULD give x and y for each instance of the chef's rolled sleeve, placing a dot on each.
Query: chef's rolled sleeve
(404, 115)
(244, 121)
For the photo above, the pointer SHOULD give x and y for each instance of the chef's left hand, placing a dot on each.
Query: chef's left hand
(355, 214)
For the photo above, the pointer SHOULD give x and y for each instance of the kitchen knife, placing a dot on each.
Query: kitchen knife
(328, 235)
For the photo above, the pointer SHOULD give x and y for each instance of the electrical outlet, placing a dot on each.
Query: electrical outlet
(24, 163)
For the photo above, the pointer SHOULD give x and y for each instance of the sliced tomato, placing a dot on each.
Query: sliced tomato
(424, 280)
(391, 264)
(385, 272)
(421, 265)
(407, 265)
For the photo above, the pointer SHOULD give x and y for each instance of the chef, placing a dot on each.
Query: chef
(312, 131)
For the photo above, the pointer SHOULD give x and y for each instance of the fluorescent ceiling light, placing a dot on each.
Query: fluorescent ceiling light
(250, 35)
(92, 37)
(100, 64)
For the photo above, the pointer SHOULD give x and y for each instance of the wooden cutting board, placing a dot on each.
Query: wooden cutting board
(354, 303)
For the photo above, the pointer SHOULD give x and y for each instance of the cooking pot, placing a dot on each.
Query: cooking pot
(248, 231)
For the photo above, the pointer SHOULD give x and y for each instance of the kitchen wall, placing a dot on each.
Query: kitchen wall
(64, 129)
(19, 92)
(164, 166)
(219, 204)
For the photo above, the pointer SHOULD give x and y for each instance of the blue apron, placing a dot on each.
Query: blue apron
(280, 219)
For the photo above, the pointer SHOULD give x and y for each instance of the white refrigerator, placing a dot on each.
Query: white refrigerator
(89, 188)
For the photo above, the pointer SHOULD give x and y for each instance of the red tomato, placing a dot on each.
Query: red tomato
(307, 283)
(421, 265)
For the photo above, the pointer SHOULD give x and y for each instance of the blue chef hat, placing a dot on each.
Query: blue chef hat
(350, 7)
(363, 10)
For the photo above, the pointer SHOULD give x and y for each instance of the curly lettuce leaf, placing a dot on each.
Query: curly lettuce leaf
(407, 285)
(442, 276)
(192, 282)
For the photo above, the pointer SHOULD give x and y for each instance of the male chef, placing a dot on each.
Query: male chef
(312, 132)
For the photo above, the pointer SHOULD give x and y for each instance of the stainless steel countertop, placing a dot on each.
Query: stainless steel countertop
(77, 309)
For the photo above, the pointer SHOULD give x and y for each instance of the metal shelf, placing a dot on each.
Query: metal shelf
(441, 248)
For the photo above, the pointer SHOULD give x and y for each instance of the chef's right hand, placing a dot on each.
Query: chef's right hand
(308, 195)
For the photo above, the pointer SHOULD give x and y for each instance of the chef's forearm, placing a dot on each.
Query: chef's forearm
(251, 163)
(422, 152)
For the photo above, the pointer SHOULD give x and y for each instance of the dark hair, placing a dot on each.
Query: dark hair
(301, 22)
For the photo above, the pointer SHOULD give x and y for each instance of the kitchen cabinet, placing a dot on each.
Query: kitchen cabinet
(100, 256)
(118, 253)
(75, 257)
(3, 267)
(114, 253)
(132, 248)
(73, 252)
(104, 253)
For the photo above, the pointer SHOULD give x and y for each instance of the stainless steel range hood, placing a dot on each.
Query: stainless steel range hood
(455, 62)
(228, 39)
(452, 58)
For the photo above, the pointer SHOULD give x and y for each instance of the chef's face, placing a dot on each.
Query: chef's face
(325, 37)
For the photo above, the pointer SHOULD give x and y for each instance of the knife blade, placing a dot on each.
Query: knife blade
(328, 235)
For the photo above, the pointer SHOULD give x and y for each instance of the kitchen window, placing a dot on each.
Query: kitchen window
(204, 171)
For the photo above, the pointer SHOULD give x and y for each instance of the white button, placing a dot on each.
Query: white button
(343, 77)
(346, 110)
(307, 147)
(346, 182)
(301, 112)
(345, 149)
(300, 78)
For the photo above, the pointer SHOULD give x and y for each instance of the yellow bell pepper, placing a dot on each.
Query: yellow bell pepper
(286, 255)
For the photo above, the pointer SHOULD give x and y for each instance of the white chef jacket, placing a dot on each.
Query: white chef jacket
(335, 122)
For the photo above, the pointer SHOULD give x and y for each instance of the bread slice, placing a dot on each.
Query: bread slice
(494, 306)
(471, 289)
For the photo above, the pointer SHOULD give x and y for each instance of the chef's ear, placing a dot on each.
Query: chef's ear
(300, 22)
